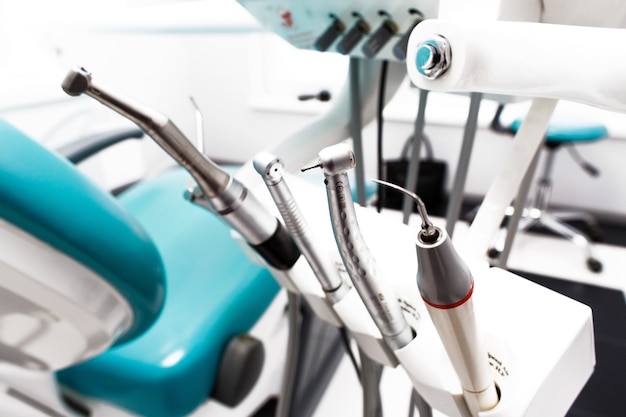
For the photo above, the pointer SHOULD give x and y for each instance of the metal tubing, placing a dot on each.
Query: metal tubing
(356, 129)
(456, 195)
(518, 210)
(412, 175)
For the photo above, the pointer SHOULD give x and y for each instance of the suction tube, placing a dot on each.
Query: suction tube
(219, 191)
(380, 301)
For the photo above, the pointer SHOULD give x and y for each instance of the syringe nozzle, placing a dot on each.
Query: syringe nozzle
(429, 231)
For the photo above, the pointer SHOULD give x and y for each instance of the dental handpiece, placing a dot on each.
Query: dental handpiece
(379, 299)
(446, 286)
(271, 170)
(220, 192)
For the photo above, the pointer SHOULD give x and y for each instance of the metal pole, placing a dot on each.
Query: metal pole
(413, 170)
(456, 195)
(356, 128)
(518, 209)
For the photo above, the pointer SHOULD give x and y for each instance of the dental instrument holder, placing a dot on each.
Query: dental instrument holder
(533, 351)
(381, 302)
(258, 232)
(217, 190)
(271, 169)
(334, 287)
(446, 286)
(340, 296)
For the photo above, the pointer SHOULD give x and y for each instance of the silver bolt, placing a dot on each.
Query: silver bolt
(433, 56)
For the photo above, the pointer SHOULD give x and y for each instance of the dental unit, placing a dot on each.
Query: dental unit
(469, 340)
(451, 349)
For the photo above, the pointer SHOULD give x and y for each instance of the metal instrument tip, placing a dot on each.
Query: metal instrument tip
(428, 229)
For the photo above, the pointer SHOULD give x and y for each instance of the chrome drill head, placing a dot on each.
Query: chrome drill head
(77, 81)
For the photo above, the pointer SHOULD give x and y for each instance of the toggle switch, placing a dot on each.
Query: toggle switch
(399, 49)
(379, 38)
(329, 36)
(353, 37)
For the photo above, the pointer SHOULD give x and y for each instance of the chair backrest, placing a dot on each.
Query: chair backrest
(78, 272)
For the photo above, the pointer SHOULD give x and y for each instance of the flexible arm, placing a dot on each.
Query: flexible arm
(523, 59)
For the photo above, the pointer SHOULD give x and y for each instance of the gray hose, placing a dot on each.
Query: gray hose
(371, 372)
(417, 401)
(283, 408)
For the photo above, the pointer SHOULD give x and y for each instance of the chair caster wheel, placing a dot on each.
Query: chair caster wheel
(494, 253)
(594, 265)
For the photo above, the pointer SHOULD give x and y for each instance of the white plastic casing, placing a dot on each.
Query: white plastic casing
(301, 22)
(527, 59)
(54, 311)
(539, 343)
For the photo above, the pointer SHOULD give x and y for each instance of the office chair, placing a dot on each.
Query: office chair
(561, 133)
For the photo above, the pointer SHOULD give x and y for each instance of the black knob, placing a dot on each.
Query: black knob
(379, 38)
(329, 36)
(399, 49)
(323, 95)
(352, 37)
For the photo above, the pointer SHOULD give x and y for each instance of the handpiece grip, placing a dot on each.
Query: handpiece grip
(271, 170)
(379, 300)
(446, 285)
(211, 179)
(221, 193)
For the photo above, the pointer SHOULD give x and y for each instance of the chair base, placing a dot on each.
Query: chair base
(554, 222)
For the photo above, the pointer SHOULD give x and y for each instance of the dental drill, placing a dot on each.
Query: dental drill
(380, 301)
(446, 286)
(271, 170)
(218, 191)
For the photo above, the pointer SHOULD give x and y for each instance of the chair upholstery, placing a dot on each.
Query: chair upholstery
(47, 197)
(214, 293)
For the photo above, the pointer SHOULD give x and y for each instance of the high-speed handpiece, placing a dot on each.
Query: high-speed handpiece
(379, 299)
(271, 170)
(446, 286)
(219, 191)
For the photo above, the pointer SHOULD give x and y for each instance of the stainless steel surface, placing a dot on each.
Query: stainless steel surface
(271, 170)
(433, 56)
(378, 298)
(241, 210)
(337, 159)
(458, 186)
(212, 179)
(221, 193)
(199, 125)
(356, 127)
(413, 174)
(427, 226)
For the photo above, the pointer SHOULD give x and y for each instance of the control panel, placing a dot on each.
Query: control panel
(360, 28)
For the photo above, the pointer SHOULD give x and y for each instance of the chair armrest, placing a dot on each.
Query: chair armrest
(84, 148)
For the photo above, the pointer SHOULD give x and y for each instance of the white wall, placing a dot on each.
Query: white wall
(244, 80)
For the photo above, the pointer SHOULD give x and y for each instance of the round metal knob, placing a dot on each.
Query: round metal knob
(433, 56)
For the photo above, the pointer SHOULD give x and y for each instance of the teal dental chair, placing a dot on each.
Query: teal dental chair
(134, 300)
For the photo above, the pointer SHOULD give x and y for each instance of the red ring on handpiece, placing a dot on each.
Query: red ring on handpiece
(453, 305)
